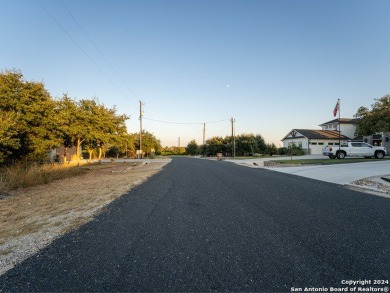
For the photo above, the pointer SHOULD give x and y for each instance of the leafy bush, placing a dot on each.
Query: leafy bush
(282, 151)
(291, 151)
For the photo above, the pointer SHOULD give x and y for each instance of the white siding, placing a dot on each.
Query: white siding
(316, 145)
(296, 141)
(348, 130)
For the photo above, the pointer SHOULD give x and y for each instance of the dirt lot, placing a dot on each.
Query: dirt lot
(31, 218)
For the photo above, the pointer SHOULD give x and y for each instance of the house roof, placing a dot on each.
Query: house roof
(316, 134)
(342, 121)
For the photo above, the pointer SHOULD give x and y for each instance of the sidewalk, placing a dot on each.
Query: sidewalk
(259, 162)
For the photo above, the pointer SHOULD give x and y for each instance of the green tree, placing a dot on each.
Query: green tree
(72, 124)
(213, 146)
(89, 124)
(124, 145)
(8, 135)
(375, 120)
(271, 149)
(104, 125)
(150, 143)
(192, 148)
(35, 127)
(250, 144)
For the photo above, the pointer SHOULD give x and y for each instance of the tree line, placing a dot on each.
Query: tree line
(245, 145)
(32, 123)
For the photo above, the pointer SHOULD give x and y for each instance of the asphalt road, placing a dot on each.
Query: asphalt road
(214, 226)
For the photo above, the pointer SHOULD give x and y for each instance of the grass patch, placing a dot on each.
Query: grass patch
(326, 161)
(21, 175)
(249, 157)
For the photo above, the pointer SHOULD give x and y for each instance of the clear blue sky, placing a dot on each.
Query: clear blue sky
(272, 65)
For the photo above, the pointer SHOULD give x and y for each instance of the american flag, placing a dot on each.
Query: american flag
(336, 108)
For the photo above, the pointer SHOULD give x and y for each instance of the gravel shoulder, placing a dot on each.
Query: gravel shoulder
(31, 218)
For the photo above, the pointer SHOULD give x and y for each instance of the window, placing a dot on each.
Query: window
(320, 143)
(313, 143)
(331, 143)
(356, 144)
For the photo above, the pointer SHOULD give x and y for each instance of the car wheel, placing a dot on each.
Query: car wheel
(379, 155)
(341, 155)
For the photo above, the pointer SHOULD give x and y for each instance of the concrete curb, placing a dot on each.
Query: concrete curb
(367, 189)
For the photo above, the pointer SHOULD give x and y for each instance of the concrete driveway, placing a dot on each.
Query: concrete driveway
(259, 162)
(340, 174)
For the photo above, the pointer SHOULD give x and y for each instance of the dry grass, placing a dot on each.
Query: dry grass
(21, 175)
(32, 217)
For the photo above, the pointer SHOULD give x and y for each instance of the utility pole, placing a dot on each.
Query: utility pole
(204, 133)
(140, 128)
(179, 142)
(338, 102)
(232, 120)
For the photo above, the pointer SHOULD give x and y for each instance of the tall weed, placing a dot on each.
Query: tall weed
(21, 175)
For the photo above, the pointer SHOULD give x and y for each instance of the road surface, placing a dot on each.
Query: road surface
(203, 225)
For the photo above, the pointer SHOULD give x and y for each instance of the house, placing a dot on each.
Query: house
(346, 125)
(312, 141)
(348, 128)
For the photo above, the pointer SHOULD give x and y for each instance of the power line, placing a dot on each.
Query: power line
(78, 46)
(97, 48)
(217, 121)
(186, 123)
(170, 122)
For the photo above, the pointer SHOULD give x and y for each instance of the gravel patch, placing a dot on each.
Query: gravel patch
(373, 183)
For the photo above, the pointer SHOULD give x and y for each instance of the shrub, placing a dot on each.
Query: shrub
(282, 151)
(291, 151)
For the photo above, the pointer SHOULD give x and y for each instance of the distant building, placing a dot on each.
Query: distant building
(312, 141)
(347, 126)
